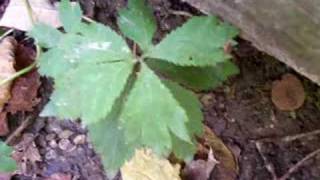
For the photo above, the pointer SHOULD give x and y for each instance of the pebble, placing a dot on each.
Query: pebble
(51, 154)
(50, 137)
(79, 139)
(53, 144)
(66, 145)
(53, 127)
(65, 134)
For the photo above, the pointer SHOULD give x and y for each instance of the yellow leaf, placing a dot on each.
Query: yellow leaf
(145, 165)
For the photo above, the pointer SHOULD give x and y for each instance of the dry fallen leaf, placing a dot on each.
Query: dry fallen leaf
(16, 14)
(24, 90)
(200, 169)
(147, 166)
(288, 93)
(4, 130)
(26, 151)
(228, 165)
(7, 47)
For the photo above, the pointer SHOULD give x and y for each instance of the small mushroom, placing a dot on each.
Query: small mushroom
(288, 93)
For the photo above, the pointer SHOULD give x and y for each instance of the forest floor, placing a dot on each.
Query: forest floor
(266, 142)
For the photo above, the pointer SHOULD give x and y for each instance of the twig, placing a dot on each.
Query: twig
(6, 33)
(299, 164)
(180, 13)
(268, 165)
(19, 130)
(299, 136)
(88, 19)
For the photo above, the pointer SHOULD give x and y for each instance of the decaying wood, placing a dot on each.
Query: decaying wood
(288, 30)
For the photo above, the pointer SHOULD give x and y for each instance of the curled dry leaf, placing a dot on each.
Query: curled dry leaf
(16, 14)
(145, 165)
(228, 165)
(288, 93)
(7, 47)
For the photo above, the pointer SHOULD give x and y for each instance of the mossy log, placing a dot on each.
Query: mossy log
(286, 29)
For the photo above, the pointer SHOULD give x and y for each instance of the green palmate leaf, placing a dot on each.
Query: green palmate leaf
(137, 23)
(151, 113)
(88, 91)
(46, 36)
(7, 164)
(199, 42)
(196, 78)
(90, 67)
(70, 15)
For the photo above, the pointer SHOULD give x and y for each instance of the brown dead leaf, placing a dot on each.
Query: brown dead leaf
(4, 130)
(24, 89)
(147, 166)
(16, 14)
(7, 47)
(26, 150)
(228, 165)
(288, 93)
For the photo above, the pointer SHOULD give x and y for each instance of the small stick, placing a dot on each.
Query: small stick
(268, 165)
(88, 19)
(299, 136)
(299, 164)
(18, 131)
(180, 13)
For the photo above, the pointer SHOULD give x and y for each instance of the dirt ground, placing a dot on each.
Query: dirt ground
(240, 112)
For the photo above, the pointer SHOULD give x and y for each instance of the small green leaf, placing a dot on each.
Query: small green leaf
(137, 23)
(88, 91)
(183, 150)
(70, 15)
(196, 78)
(7, 164)
(189, 101)
(151, 113)
(199, 42)
(45, 35)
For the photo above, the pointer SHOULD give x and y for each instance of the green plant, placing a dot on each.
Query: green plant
(126, 100)
(7, 164)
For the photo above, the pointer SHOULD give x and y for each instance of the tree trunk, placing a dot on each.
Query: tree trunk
(286, 29)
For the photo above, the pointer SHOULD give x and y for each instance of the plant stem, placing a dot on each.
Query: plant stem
(18, 74)
(6, 33)
(30, 12)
